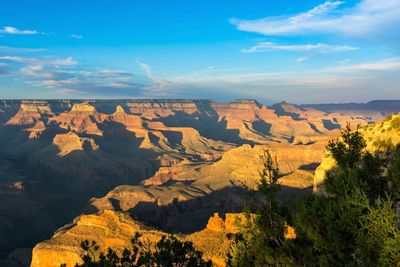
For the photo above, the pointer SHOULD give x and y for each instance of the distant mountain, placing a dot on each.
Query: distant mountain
(374, 110)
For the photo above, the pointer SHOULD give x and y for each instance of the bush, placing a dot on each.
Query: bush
(395, 123)
(167, 252)
(355, 223)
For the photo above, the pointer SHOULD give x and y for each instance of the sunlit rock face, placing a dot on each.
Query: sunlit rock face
(30, 113)
(378, 136)
(82, 118)
(114, 230)
(70, 142)
(109, 229)
(169, 162)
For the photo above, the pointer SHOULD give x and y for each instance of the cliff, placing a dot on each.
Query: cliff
(114, 230)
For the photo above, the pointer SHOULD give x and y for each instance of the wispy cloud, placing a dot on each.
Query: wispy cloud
(301, 59)
(69, 61)
(368, 18)
(320, 48)
(88, 82)
(158, 83)
(13, 30)
(10, 49)
(76, 36)
(376, 66)
(66, 75)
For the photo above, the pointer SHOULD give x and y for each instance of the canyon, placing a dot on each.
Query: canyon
(72, 168)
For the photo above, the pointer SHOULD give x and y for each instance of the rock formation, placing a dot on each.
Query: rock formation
(115, 230)
(58, 154)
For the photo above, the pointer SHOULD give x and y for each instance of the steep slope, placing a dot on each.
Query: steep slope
(182, 197)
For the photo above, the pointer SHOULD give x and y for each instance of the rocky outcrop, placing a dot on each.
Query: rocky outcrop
(30, 113)
(70, 142)
(233, 222)
(83, 118)
(114, 230)
(36, 131)
(109, 229)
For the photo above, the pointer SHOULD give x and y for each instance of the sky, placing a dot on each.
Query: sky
(289, 50)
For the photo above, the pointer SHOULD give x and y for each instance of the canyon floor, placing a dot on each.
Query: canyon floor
(74, 169)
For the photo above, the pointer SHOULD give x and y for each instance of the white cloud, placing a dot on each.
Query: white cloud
(380, 65)
(367, 18)
(344, 61)
(321, 48)
(157, 82)
(301, 59)
(10, 49)
(13, 30)
(76, 36)
(69, 61)
(65, 75)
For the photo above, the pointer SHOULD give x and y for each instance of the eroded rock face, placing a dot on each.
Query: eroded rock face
(232, 224)
(182, 197)
(30, 113)
(115, 230)
(108, 229)
(70, 142)
(68, 151)
(82, 118)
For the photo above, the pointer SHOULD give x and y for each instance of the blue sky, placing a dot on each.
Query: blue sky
(298, 51)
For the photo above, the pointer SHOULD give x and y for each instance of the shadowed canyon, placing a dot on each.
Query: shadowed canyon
(77, 169)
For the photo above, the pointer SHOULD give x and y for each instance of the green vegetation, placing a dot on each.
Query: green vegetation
(354, 223)
(167, 252)
(395, 123)
(262, 242)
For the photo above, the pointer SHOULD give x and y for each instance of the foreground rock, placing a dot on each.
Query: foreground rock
(114, 230)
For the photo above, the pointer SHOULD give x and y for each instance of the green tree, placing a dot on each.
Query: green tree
(355, 223)
(262, 241)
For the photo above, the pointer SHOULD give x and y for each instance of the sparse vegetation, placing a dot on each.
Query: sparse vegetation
(167, 252)
(354, 223)
(262, 242)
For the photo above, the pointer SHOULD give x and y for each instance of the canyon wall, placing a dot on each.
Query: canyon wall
(57, 155)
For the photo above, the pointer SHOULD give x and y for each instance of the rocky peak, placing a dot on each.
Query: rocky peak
(119, 110)
(232, 223)
(83, 107)
(70, 142)
(30, 112)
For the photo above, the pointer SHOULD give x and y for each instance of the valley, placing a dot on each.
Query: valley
(167, 165)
